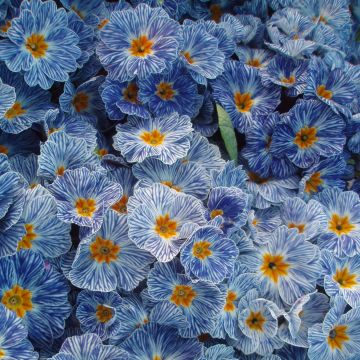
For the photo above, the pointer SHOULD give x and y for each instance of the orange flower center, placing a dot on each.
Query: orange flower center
(4, 150)
(321, 91)
(102, 23)
(289, 80)
(103, 313)
(183, 295)
(165, 227)
(18, 299)
(201, 250)
(80, 101)
(156, 357)
(121, 205)
(254, 62)
(340, 224)
(243, 101)
(229, 303)
(36, 45)
(85, 207)
(256, 178)
(130, 93)
(344, 278)
(15, 111)
(171, 185)
(52, 130)
(2, 353)
(305, 137)
(28, 238)
(60, 170)
(216, 12)
(77, 11)
(188, 57)
(255, 321)
(337, 337)
(102, 152)
(313, 183)
(320, 18)
(4, 28)
(165, 91)
(103, 250)
(300, 227)
(141, 46)
(216, 212)
(274, 266)
(255, 222)
(153, 138)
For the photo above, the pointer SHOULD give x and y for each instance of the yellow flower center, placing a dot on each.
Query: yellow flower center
(188, 57)
(243, 101)
(2, 353)
(216, 12)
(201, 250)
(321, 91)
(255, 222)
(183, 295)
(18, 299)
(344, 278)
(229, 303)
(305, 137)
(103, 313)
(313, 183)
(28, 238)
(4, 28)
(340, 224)
(300, 227)
(288, 80)
(15, 111)
(165, 91)
(165, 227)
(4, 150)
(103, 250)
(153, 138)
(36, 45)
(102, 23)
(171, 185)
(255, 321)
(80, 101)
(254, 62)
(141, 46)
(121, 205)
(216, 212)
(85, 207)
(274, 266)
(337, 337)
(130, 93)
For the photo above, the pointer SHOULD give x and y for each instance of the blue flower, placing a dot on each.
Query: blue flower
(307, 311)
(13, 334)
(62, 152)
(121, 98)
(160, 342)
(200, 52)
(232, 204)
(342, 234)
(240, 91)
(157, 219)
(219, 352)
(257, 150)
(44, 54)
(83, 197)
(308, 131)
(22, 105)
(286, 72)
(338, 337)
(173, 91)
(164, 138)
(38, 295)
(188, 178)
(209, 255)
(287, 266)
(109, 260)
(87, 11)
(198, 302)
(308, 218)
(257, 58)
(334, 87)
(342, 277)
(229, 176)
(88, 347)
(26, 142)
(97, 312)
(138, 42)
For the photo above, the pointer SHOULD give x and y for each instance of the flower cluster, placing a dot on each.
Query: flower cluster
(179, 179)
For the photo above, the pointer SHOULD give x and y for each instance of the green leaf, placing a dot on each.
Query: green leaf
(227, 133)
